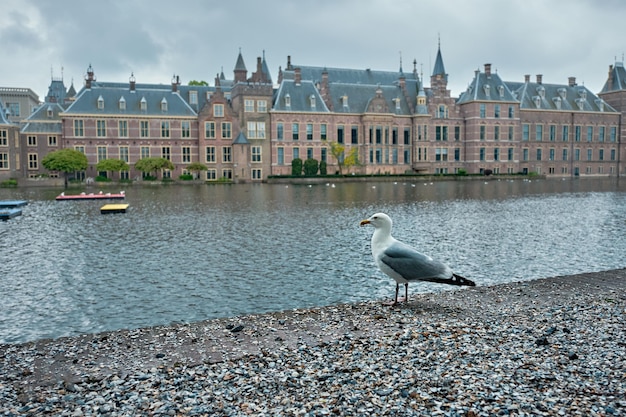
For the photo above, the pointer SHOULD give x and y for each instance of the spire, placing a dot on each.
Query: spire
(266, 70)
(241, 73)
(439, 68)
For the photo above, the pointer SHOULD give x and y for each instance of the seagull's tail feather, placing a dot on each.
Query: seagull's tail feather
(454, 280)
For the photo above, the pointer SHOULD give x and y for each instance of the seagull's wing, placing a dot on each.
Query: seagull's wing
(412, 265)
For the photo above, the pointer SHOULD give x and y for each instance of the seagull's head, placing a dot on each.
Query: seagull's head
(379, 221)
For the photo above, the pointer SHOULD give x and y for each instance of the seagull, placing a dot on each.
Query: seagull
(405, 264)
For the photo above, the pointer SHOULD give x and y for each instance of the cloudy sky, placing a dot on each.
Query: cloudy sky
(195, 39)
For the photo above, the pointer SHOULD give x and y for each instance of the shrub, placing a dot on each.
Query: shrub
(310, 167)
(100, 178)
(461, 172)
(322, 167)
(9, 183)
(186, 177)
(296, 166)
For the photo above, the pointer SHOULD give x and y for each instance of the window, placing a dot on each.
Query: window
(324, 155)
(354, 135)
(577, 133)
(511, 112)
(186, 154)
(4, 141)
(185, 129)
(13, 109)
(442, 112)
(483, 111)
(33, 162)
(256, 154)
(539, 133)
(565, 154)
(193, 97)
(482, 154)
(312, 102)
(510, 154)
(379, 135)
(257, 174)
(124, 153)
(280, 131)
(4, 161)
(309, 131)
(525, 132)
(227, 155)
(441, 154)
(251, 130)
(407, 135)
(102, 153)
(511, 132)
(441, 132)
(165, 129)
(457, 155)
(209, 130)
(482, 132)
(32, 141)
(589, 154)
(122, 128)
(166, 153)
(538, 154)
(601, 155)
(101, 128)
(143, 104)
(280, 156)
(79, 128)
(340, 134)
(565, 133)
(144, 129)
(261, 106)
(496, 132)
(576, 154)
(601, 134)
(309, 153)
(122, 103)
(496, 111)
(551, 155)
(52, 141)
(218, 110)
(496, 154)
(100, 103)
(226, 130)
(211, 174)
(260, 130)
(145, 152)
(210, 154)
(296, 153)
(525, 154)
(248, 106)
(295, 131)
(589, 133)
(164, 105)
(612, 154)
(613, 133)
(552, 133)
(227, 174)
(80, 149)
(323, 131)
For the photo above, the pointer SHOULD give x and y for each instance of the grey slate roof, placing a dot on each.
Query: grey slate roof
(487, 88)
(299, 97)
(618, 73)
(111, 93)
(439, 69)
(241, 140)
(557, 97)
(355, 76)
(45, 119)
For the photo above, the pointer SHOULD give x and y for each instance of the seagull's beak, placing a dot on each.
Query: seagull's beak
(364, 222)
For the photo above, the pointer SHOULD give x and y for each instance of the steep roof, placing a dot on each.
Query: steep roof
(533, 95)
(293, 97)
(112, 94)
(616, 80)
(241, 140)
(439, 68)
(45, 119)
(487, 86)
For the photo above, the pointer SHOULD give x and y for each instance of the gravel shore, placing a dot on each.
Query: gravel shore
(554, 346)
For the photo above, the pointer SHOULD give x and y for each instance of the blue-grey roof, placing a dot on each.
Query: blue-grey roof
(299, 97)
(354, 76)
(112, 94)
(557, 97)
(617, 79)
(354, 98)
(487, 88)
(241, 140)
(439, 69)
(45, 119)
(56, 91)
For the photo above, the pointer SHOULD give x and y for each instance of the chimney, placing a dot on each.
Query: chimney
(610, 79)
(132, 82)
(89, 78)
(527, 78)
(175, 80)
(288, 63)
(539, 78)
(571, 81)
(488, 70)
(298, 76)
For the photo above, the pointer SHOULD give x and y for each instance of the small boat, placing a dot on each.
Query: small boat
(92, 196)
(9, 213)
(113, 208)
(12, 203)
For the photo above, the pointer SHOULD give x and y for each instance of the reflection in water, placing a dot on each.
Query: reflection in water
(188, 253)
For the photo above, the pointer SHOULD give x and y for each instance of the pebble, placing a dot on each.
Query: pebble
(482, 351)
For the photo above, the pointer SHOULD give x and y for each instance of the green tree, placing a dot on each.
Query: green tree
(66, 161)
(296, 166)
(311, 167)
(322, 167)
(195, 82)
(149, 165)
(337, 151)
(196, 167)
(352, 159)
(112, 165)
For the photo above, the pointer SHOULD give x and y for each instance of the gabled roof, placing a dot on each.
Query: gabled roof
(298, 97)
(112, 93)
(45, 119)
(616, 80)
(487, 87)
(241, 140)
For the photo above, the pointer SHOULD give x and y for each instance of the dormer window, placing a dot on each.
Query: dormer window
(312, 101)
(501, 90)
(100, 103)
(397, 100)
(541, 91)
(193, 97)
(600, 104)
(287, 100)
(487, 90)
(144, 104)
(580, 103)
(562, 93)
(582, 93)
(537, 101)
(50, 112)
(557, 102)
(344, 101)
(122, 103)
(164, 104)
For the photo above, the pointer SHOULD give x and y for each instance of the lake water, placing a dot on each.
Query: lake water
(195, 252)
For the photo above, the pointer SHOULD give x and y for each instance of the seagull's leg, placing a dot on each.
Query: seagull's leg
(395, 302)
(406, 292)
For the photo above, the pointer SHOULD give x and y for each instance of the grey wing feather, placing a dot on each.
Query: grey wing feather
(412, 265)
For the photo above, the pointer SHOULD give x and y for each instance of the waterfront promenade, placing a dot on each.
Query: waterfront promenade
(552, 346)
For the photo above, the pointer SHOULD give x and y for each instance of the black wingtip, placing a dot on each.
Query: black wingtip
(459, 280)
